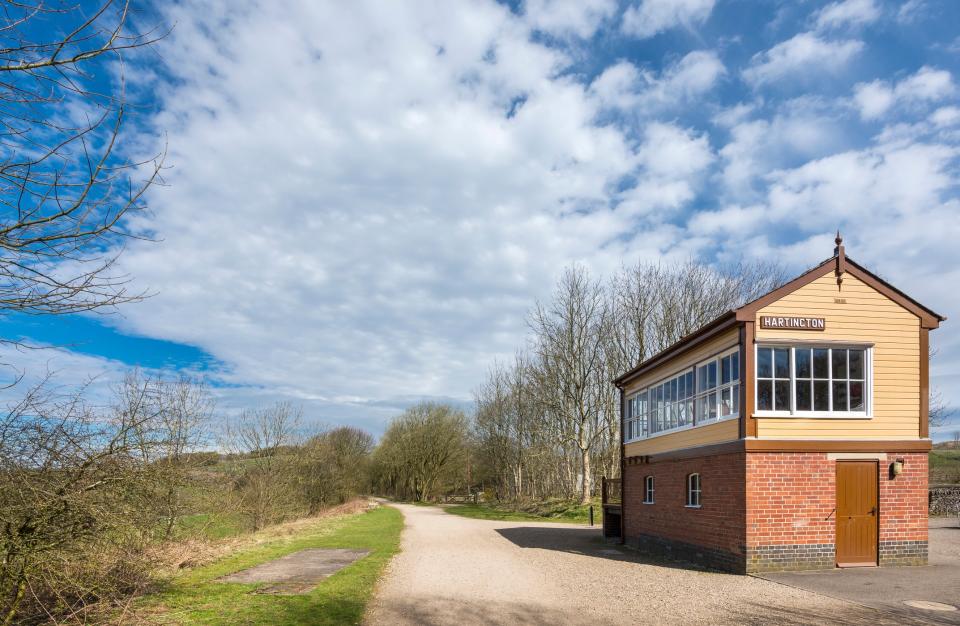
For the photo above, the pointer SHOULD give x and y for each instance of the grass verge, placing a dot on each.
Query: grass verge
(197, 598)
(545, 511)
(944, 466)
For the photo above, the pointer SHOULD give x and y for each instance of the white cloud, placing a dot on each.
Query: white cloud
(794, 132)
(563, 18)
(673, 161)
(910, 11)
(361, 213)
(655, 16)
(847, 13)
(946, 116)
(368, 210)
(800, 57)
(624, 86)
(876, 98)
(672, 152)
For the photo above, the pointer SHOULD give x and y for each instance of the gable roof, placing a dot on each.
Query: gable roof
(838, 263)
(928, 318)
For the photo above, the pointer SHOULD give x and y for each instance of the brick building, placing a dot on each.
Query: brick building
(791, 433)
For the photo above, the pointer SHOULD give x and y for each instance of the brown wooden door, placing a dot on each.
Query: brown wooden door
(857, 513)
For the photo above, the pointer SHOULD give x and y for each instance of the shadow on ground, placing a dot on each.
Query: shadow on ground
(443, 612)
(587, 542)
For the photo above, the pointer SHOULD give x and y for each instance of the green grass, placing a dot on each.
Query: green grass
(944, 466)
(197, 598)
(211, 525)
(545, 511)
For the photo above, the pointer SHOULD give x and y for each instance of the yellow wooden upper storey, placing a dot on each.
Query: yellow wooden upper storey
(857, 313)
(854, 312)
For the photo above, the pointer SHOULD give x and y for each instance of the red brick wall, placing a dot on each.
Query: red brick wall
(903, 511)
(791, 499)
(717, 525)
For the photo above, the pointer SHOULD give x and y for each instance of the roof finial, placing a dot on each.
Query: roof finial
(841, 259)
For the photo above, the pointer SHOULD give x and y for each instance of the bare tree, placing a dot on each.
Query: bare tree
(553, 421)
(334, 466)
(423, 450)
(569, 344)
(264, 481)
(75, 501)
(66, 184)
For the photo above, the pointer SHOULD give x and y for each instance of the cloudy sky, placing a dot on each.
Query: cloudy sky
(363, 200)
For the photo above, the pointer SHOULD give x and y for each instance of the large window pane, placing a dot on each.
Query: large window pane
(765, 395)
(736, 399)
(713, 405)
(735, 366)
(804, 396)
(782, 395)
(856, 364)
(764, 363)
(840, 396)
(689, 377)
(711, 375)
(821, 398)
(821, 364)
(839, 363)
(781, 362)
(802, 365)
(726, 402)
(724, 370)
(856, 396)
(674, 389)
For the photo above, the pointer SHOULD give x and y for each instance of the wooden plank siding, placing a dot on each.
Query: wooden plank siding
(855, 312)
(716, 432)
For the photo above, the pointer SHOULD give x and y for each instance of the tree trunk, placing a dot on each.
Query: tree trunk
(585, 476)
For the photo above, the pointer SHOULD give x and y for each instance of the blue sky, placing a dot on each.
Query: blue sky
(363, 200)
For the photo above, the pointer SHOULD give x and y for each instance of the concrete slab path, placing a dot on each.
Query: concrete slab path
(298, 572)
(888, 588)
(455, 570)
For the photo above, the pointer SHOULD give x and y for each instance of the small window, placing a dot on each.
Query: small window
(648, 490)
(693, 490)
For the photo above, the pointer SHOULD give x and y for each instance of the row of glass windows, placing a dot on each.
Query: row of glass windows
(799, 378)
(708, 391)
(789, 380)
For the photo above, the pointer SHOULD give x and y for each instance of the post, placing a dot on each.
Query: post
(591, 515)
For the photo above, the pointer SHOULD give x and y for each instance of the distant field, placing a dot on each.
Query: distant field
(944, 466)
(545, 511)
(196, 597)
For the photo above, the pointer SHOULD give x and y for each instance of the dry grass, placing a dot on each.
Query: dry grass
(172, 558)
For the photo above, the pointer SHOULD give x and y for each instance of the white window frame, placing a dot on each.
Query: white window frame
(792, 412)
(698, 491)
(734, 382)
(697, 420)
(648, 490)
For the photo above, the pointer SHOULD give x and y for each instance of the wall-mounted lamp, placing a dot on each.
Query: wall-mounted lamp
(896, 468)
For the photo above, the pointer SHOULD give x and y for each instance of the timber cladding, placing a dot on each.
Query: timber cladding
(855, 313)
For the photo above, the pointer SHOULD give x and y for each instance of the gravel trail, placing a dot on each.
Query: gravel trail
(455, 570)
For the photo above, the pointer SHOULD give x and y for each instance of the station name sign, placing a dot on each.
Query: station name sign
(793, 323)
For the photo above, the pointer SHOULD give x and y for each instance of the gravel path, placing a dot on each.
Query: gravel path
(455, 570)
